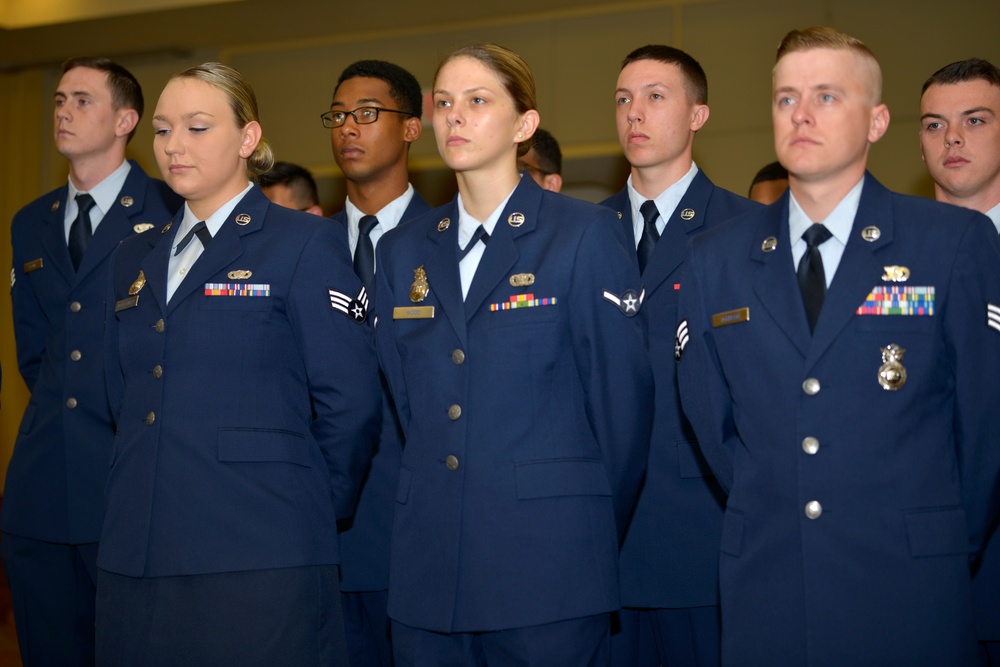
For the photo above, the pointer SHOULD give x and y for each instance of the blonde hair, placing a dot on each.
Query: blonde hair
(243, 103)
(513, 72)
(825, 37)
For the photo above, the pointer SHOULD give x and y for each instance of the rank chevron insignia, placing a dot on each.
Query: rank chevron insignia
(629, 302)
(354, 307)
(681, 340)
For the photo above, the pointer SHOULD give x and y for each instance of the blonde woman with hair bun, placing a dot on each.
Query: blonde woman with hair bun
(244, 386)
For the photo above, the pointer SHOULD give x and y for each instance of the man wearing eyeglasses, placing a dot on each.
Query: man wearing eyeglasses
(373, 119)
(543, 161)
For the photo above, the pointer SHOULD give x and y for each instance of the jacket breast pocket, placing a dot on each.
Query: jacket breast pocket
(263, 445)
(524, 316)
(561, 477)
(237, 303)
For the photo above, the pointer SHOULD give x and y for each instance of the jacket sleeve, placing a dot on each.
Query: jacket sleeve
(703, 388)
(611, 355)
(339, 357)
(29, 318)
(972, 337)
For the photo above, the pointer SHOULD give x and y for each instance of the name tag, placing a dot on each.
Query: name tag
(125, 304)
(412, 312)
(33, 265)
(731, 317)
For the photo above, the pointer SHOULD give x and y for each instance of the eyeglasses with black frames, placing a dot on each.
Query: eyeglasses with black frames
(362, 116)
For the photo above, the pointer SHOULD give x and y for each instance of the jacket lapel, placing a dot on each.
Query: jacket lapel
(501, 252)
(776, 285)
(686, 220)
(859, 268)
(54, 238)
(441, 267)
(156, 264)
(225, 247)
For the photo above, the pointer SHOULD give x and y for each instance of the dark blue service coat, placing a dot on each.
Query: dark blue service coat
(854, 510)
(527, 428)
(244, 422)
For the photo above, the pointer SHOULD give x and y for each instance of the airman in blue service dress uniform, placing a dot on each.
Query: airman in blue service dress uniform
(247, 402)
(373, 157)
(859, 449)
(54, 494)
(670, 555)
(526, 405)
(960, 146)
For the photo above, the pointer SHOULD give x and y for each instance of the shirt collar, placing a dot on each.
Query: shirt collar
(388, 217)
(104, 193)
(994, 215)
(666, 201)
(214, 222)
(467, 224)
(839, 222)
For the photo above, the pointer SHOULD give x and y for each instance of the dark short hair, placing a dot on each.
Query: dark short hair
(695, 80)
(770, 172)
(403, 86)
(972, 69)
(295, 178)
(548, 152)
(126, 93)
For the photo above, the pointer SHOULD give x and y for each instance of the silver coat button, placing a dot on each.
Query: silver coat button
(75, 355)
(454, 412)
(458, 357)
(813, 509)
(71, 403)
(157, 371)
(810, 445)
(452, 462)
(811, 386)
(150, 418)
(75, 307)
(159, 326)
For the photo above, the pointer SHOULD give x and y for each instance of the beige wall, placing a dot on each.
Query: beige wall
(575, 56)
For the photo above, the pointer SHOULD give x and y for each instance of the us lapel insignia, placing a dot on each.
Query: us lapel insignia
(167, 227)
(139, 283)
(769, 244)
(55, 206)
(629, 302)
(241, 274)
(522, 279)
(891, 374)
(142, 226)
(687, 214)
(871, 233)
(619, 215)
(127, 201)
(896, 274)
(515, 219)
(243, 219)
(444, 224)
(419, 289)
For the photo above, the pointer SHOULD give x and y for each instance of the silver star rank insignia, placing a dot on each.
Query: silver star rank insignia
(354, 307)
(630, 302)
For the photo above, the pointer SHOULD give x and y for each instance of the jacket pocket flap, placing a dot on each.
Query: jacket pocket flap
(562, 477)
(263, 445)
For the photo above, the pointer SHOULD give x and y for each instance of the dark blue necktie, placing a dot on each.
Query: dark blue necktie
(649, 237)
(80, 231)
(812, 278)
(364, 254)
